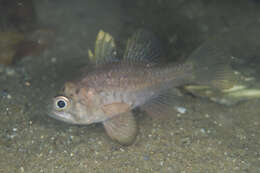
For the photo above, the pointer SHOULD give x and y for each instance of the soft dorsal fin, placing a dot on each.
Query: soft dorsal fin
(105, 49)
(143, 46)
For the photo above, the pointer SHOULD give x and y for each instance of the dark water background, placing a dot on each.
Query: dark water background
(209, 137)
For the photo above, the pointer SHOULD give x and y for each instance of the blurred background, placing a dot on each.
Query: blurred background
(43, 43)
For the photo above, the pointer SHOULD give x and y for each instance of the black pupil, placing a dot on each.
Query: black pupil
(61, 104)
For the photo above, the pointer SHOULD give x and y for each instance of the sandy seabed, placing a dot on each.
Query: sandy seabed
(209, 137)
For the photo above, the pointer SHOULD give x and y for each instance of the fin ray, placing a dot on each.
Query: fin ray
(212, 67)
(105, 49)
(142, 46)
(122, 128)
(162, 104)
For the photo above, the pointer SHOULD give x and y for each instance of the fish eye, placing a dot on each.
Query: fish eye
(61, 103)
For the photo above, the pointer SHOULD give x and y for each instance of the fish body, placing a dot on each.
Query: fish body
(115, 87)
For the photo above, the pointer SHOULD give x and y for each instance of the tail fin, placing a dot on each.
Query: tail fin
(105, 49)
(212, 67)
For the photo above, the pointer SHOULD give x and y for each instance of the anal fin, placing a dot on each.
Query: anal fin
(122, 128)
(163, 104)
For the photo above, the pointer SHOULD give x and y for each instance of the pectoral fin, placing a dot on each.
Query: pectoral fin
(115, 108)
(122, 128)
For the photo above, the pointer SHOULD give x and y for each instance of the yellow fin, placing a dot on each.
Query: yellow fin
(91, 56)
(105, 49)
(212, 67)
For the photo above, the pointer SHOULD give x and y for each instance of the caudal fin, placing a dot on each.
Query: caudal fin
(212, 67)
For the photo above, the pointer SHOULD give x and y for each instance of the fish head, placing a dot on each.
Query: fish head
(76, 105)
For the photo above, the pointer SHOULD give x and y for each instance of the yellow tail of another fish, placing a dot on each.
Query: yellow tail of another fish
(212, 67)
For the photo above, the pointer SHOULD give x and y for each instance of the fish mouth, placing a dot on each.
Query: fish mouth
(61, 116)
(54, 115)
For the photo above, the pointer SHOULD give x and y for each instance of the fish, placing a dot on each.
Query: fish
(117, 85)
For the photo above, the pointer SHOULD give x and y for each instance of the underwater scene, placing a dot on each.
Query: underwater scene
(142, 86)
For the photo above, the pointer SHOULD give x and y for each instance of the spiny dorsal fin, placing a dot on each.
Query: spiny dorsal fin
(142, 46)
(105, 49)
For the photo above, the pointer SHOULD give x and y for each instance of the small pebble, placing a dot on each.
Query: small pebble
(181, 110)
(10, 72)
(203, 131)
(161, 163)
(207, 116)
(21, 169)
(27, 84)
(9, 96)
(12, 136)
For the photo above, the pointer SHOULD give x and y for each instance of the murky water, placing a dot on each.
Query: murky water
(208, 137)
